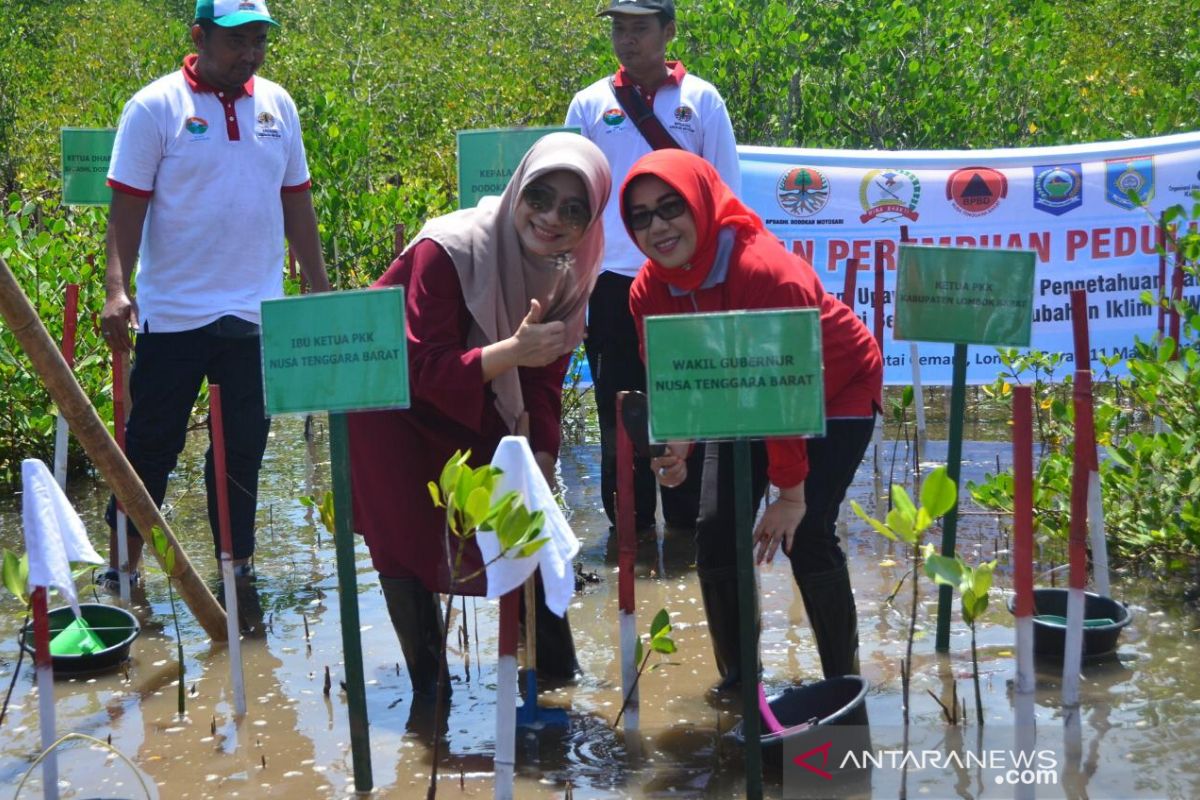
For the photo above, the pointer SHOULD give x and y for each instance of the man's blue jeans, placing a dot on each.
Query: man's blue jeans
(168, 371)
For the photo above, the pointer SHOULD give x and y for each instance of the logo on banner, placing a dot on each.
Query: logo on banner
(888, 195)
(802, 191)
(976, 191)
(1125, 175)
(614, 117)
(1057, 188)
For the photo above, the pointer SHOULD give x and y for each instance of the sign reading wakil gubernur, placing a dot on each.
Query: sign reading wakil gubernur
(737, 374)
(965, 295)
(336, 351)
(487, 159)
(85, 156)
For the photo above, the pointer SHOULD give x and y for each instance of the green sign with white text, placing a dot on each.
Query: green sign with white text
(335, 351)
(735, 375)
(488, 158)
(965, 295)
(85, 156)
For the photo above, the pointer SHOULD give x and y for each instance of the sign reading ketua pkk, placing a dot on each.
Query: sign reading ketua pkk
(488, 158)
(335, 351)
(85, 156)
(736, 374)
(965, 295)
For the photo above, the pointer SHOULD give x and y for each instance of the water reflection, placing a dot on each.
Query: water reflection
(1138, 726)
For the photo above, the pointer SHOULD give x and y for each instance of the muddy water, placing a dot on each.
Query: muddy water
(1139, 721)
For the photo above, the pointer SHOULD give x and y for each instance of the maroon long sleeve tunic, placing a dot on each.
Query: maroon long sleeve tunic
(394, 454)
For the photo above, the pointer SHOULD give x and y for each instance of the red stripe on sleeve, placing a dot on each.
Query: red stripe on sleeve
(117, 186)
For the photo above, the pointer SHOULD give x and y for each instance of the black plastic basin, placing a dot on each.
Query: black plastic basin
(114, 626)
(1049, 638)
(833, 702)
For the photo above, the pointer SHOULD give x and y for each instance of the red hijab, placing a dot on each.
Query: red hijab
(712, 203)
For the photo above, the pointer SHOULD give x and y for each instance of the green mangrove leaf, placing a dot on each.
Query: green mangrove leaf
(938, 493)
(16, 575)
(879, 527)
(660, 622)
(944, 571)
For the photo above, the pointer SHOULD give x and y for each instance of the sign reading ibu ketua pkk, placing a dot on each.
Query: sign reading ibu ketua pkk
(336, 351)
(85, 156)
(488, 158)
(735, 375)
(965, 295)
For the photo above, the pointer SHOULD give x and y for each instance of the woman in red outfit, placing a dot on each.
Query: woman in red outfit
(494, 303)
(709, 252)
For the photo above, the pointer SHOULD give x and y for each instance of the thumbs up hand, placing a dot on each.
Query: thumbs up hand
(539, 343)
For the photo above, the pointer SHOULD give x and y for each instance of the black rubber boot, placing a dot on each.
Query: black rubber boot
(719, 592)
(829, 602)
(555, 645)
(418, 622)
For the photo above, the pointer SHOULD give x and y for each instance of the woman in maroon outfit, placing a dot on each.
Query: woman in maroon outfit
(494, 303)
(709, 252)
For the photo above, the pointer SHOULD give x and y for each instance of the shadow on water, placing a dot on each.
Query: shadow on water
(1138, 724)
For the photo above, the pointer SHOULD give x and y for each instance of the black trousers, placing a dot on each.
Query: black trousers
(833, 460)
(168, 369)
(616, 365)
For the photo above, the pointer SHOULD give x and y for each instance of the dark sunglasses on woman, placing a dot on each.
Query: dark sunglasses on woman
(668, 209)
(572, 212)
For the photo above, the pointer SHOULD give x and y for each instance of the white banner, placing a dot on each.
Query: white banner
(1067, 204)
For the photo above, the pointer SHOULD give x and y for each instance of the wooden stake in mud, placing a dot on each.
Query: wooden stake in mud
(120, 415)
(221, 478)
(100, 447)
(747, 587)
(958, 406)
(70, 320)
(914, 360)
(1025, 733)
(877, 434)
(1095, 505)
(626, 559)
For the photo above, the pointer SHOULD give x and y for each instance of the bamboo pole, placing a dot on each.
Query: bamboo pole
(100, 447)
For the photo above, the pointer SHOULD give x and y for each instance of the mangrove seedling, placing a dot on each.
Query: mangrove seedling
(465, 492)
(660, 642)
(16, 579)
(166, 552)
(907, 522)
(973, 585)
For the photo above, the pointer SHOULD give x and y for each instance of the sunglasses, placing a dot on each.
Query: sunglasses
(573, 212)
(668, 209)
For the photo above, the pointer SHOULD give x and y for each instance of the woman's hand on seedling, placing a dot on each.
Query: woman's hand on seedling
(779, 522)
(671, 467)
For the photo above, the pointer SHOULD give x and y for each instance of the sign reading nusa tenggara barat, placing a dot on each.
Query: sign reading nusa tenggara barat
(735, 375)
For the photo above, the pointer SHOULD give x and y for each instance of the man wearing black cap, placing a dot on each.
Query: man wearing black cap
(677, 109)
(209, 176)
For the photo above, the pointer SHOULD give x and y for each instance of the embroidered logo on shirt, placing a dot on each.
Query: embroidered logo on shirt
(266, 126)
(614, 117)
(196, 125)
(684, 114)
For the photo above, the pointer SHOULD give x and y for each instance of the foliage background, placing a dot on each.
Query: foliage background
(383, 87)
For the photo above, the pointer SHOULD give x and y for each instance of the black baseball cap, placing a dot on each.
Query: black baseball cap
(666, 7)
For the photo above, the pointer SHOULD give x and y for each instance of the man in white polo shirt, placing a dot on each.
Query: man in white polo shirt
(678, 110)
(209, 176)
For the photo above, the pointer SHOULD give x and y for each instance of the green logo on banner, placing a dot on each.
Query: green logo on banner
(738, 374)
(965, 295)
(86, 153)
(336, 351)
(488, 158)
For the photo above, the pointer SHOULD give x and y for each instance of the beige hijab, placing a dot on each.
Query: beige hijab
(499, 278)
